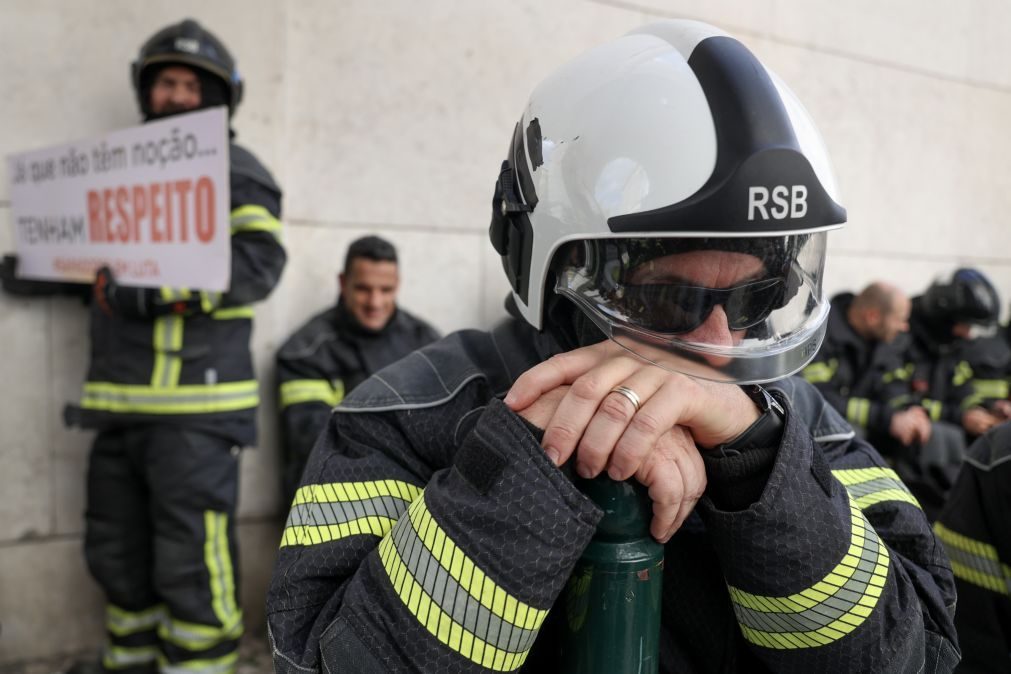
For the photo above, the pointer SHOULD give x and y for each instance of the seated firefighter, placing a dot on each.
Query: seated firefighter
(953, 372)
(341, 347)
(860, 371)
(438, 519)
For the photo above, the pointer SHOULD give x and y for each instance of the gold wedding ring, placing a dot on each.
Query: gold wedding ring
(630, 394)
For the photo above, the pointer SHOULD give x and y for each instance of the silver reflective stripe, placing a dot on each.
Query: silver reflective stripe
(322, 514)
(876, 485)
(169, 398)
(200, 639)
(830, 609)
(989, 568)
(122, 622)
(223, 665)
(455, 601)
(118, 657)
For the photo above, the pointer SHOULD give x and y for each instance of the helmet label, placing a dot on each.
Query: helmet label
(188, 44)
(788, 202)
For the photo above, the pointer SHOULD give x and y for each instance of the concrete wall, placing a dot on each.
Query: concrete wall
(392, 117)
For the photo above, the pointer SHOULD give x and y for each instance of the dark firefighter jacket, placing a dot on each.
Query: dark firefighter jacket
(865, 381)
(194, 369)
(945, 368)
(989, 363)
(326, 359)
(431, 534)
(974, 529)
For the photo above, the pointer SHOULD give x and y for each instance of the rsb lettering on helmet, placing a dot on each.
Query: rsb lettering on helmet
(188, 44)
(787, 202)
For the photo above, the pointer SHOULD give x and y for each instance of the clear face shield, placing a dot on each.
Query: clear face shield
(737, 310)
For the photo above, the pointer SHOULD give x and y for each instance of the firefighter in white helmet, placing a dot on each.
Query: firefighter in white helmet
(661, 216)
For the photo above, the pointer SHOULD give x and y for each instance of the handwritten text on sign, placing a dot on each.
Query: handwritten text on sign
(152, 202)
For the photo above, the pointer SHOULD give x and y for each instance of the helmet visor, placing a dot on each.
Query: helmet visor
(737, 309)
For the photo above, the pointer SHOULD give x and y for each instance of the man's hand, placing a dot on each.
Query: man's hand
(672, 472)
(978, 421)
(910, 426)
(656, 444)
(1002, 408)
(104, 291)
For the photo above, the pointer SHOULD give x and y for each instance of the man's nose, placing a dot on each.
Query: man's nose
(714, 331)
(179, 95)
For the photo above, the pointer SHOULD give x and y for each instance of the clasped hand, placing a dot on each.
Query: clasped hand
(571, 397)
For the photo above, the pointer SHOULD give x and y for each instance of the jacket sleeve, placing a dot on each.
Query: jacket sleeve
(416, 545)
(306, 396)
(872, 414)
(835, 567)
(973, 528)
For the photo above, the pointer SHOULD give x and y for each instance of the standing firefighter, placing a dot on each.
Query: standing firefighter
(172, 392)
(667, 192)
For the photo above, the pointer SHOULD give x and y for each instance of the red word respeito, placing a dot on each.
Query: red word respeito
(162, 212)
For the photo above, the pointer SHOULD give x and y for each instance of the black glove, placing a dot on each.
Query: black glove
(27, 288)
(119, 300)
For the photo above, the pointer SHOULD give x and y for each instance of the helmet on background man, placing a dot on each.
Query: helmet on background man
(671, 141)
(189, 44)
(969, 297)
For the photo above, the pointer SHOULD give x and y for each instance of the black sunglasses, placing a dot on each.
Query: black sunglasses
(674, 308)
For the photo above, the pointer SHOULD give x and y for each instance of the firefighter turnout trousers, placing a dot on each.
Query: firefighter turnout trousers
(161, 541)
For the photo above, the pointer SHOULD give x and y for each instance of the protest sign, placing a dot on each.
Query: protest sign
(151, 202)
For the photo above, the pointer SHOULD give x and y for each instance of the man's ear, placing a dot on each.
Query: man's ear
(340, 281)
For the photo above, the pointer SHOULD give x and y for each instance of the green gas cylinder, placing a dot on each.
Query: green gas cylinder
(612, 599)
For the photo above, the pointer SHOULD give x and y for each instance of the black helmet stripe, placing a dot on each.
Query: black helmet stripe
(757, 149)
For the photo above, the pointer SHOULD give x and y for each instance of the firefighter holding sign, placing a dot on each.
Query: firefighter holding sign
(171, 390)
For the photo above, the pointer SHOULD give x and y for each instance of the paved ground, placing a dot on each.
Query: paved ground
(254, 658)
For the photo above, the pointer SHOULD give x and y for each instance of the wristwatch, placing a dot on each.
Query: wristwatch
(767, 430)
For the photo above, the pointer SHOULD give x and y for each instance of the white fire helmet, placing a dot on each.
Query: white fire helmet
(667, 183)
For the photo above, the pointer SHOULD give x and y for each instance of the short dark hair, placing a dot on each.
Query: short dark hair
(372, 248)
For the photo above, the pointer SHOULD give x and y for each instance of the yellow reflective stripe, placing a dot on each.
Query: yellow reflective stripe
(121, 657)
(870, 486)
(252, 218)
(901, 401)
(321, 513)
(121, 622)
(467, 573)
(933, 407)
(168, 341)
(453, 599)
(195, 637)
(169, 295)
(317, 535)
(232, 313)
(182, 399)
(219, 567)
(986, 389)
(975, 561)
(356, 491)
(819, 373)
(226, 664)
(963, 373)
(312, 390)
(901, 374)
(858, 411)
(209, 301)
(837, 604)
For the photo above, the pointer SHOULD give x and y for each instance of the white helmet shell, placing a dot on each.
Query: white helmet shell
(673, 130)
